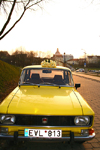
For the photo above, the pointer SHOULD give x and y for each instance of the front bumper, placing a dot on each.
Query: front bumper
(70, 138)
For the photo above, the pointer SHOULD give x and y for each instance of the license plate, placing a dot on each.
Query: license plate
(41, 133)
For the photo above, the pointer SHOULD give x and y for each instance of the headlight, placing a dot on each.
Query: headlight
(82, 120)
(7, 119)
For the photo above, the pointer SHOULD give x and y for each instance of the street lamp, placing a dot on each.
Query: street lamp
(64, 59)
(85, 59)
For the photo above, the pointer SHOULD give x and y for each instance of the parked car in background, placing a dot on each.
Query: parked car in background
(92, 70)
(80, 70)
(46, 106)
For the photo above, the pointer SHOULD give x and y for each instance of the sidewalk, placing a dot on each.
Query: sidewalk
(87, 76)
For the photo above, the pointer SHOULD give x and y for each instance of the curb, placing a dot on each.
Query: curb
(90, 78)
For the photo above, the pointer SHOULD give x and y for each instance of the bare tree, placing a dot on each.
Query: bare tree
(22, 5)
(87, 3)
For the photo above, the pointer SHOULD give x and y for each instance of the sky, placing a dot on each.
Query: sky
(73, 26)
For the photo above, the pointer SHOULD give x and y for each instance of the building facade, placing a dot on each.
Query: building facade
(61, 59)
(73, 61)
(67, 57)
(93, 59)
(58, 58)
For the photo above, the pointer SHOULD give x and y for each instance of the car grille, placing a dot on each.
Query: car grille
(51, 120)
(32, 120)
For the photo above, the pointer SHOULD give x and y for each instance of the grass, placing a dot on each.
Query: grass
(9, 76)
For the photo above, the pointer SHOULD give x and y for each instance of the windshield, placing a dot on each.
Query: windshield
(46, 77)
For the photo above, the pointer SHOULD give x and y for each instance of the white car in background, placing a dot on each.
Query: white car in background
(80, 70)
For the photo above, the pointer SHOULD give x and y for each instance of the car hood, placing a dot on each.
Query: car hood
(45, 100)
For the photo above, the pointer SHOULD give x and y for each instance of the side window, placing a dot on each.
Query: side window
(27, 76)
(69, 76)
(22, 76)
(66, 77)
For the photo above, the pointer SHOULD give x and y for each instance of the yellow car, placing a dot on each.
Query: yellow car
(46, 106)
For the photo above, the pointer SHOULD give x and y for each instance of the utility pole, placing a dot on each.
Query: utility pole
(85, 61)
(64, 59)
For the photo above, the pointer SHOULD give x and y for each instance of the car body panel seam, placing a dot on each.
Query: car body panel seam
(79, 101)
(11, 100)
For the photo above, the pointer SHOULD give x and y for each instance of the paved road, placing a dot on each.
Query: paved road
(90, 90)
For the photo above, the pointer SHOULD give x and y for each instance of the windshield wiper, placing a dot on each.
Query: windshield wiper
(48, 83)
(43, 83)
(29, 84)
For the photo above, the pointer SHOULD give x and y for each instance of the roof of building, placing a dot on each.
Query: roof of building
(93, 56)
(73, 60)
(57, 52)
(57, 55)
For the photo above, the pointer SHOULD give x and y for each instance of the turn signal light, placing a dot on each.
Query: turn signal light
(91, 131)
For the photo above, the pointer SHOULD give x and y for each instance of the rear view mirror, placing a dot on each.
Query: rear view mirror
(46, 71)
(77, 85)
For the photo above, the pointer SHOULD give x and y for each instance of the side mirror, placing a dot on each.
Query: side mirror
(77, 85)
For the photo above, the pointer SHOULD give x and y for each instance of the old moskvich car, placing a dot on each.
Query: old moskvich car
(46, 106)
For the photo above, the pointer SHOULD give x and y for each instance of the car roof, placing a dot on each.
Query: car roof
(39, 67)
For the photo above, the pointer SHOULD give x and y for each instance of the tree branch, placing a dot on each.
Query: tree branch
(13, 25)
(34, 4)
(9, 17)
(27, 4)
